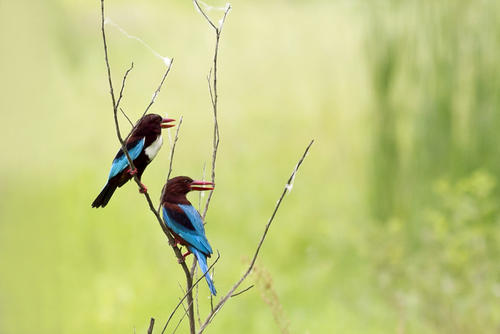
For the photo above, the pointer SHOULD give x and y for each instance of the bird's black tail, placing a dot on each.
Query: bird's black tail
(104, 196)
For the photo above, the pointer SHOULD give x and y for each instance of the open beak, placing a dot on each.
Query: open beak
(204, 185)
(165, 121)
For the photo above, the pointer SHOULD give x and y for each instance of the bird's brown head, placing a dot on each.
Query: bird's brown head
(176, 189)
(151, 124)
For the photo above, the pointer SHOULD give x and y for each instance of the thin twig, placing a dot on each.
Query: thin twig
(242, 291)
(178, 254)
(128, 119)
(123, 85)
(157, 91)
(111, 90)
(252, 263)
(182, 318)
(213, 92)
(205, 15)
(189, 291)
(184, 314)
(209, 77)
(201, 193)
(211, 297)
(197, 306)
(155, 95)
(106, 56)
(214, 100)
(192, 270)
(172, 151)
(153, 99)
(151, 325)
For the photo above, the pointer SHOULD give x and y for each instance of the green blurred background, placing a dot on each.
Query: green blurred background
(393, 225)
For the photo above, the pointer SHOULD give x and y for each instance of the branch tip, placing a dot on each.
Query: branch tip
(252, 263)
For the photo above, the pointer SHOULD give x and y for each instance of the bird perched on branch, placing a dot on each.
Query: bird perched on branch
(142, 145)
(184, 221)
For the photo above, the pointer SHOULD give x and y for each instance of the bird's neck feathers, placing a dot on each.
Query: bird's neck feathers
(176, 199)
(150, 137)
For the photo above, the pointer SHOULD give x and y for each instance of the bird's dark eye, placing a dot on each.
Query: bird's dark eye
(187, 181)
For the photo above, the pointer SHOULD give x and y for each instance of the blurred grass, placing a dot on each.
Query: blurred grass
(392, 224)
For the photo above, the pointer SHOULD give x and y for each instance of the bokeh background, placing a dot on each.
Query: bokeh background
(393, 224)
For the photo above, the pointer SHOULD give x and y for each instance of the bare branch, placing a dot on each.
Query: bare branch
(198, 317)
(178, 254)
(223, 20)
(242, 291)
(212, 88)
(202, 193)
(157, 91)
(128, 119)
(172, 151)
(123, 85)
(209, 77)
(189, 291)
(183, 314)
(197, 5)
(213, 99)
(202, 12)
(155, 95)
(111, 90)
(182, 318)
(151, 325)
(106, 57)
(193, 268)
(252, 263)
(211, 303)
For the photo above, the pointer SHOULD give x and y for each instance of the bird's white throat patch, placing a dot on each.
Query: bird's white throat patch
(152, 150)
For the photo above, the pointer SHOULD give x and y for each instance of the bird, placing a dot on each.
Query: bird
(142, 145)
(185, 222)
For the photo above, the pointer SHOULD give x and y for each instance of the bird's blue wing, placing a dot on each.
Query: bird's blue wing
(189, 226)
(194, 217)
(121, 162)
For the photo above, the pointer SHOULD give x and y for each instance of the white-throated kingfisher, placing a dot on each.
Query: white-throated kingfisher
(184, 221)
(142, 145)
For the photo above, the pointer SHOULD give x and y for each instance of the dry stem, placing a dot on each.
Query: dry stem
(252, 263)
(151, 325)
(212, 87)
(189, 291)
(178, 254)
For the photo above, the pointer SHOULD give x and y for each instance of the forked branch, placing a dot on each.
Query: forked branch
(212, 87)
(287, 188)
(177, 251)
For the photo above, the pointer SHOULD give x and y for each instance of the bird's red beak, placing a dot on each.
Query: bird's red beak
(164, 122)
(194, 185)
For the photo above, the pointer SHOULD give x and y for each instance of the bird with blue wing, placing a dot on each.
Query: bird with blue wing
(142, 145)
(184, 221)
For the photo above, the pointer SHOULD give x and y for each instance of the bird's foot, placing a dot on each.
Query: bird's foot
(173, 243)
(186, 254)
(143, 189)
(132, 172)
